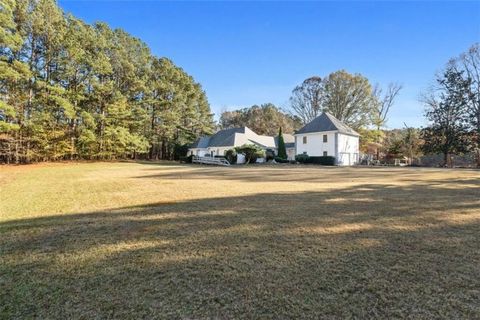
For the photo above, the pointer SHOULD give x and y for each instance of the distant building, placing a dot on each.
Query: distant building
(323, 136)
(327, 136)
(223, 140)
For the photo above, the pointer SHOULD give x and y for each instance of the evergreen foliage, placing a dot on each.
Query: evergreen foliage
(448, 132)
(282, 151)
(70, 90)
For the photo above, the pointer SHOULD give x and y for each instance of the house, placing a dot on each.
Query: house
(327, 136)
(223, 140)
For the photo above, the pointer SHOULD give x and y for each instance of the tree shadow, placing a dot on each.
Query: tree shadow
(297, 173)
(374, 250)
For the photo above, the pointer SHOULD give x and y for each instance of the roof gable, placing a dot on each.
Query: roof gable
(327, 122)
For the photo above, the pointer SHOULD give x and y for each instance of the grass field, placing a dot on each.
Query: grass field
(138, 240)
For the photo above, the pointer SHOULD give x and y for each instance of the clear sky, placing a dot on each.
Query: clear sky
(246, 53)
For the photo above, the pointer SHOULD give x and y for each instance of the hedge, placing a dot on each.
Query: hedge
(281, 160)
(302, 158)
(323, 160)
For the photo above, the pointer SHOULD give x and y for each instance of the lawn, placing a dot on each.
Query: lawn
(169, 241)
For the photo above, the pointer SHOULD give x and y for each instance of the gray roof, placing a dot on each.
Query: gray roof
(225, 137)
(327, 122)
(222, 138)
(201, 142)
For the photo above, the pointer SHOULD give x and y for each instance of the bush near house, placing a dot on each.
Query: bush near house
(281, 160)
(269, 154)
(324, 160)
(187, 159)
(302, 158)
(251, 152)
(231, 156)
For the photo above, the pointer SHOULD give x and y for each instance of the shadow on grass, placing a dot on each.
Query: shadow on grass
(297, 173)
(376, 250)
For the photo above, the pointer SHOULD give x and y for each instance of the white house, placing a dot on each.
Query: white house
(327, 136)
(226, 139)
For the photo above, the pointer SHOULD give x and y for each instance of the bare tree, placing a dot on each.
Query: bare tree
(307, 99)
(469, 62)
(384, 102)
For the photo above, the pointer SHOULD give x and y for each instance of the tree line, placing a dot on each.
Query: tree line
(70, 90)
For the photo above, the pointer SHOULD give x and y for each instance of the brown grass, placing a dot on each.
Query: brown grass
(140, 240)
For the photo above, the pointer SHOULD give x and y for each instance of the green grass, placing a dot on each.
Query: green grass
(139, 240)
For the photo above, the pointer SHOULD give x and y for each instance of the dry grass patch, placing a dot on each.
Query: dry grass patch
(133, 240)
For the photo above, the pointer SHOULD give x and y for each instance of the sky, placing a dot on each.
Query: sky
(253, 52)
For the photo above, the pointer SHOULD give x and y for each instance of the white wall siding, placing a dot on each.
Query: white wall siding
(315, 145)
(348, 150)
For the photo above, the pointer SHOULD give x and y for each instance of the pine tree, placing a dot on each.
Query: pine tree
(69, 90)
(282, 151)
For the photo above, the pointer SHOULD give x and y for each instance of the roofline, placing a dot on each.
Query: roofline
(313, 132)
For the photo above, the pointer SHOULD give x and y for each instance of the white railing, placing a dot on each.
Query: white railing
(210, 160)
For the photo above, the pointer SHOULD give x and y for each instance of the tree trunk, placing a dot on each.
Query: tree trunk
(445, 159)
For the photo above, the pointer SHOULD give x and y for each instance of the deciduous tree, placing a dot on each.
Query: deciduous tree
(448, 131)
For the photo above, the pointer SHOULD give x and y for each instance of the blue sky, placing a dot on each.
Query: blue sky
(246, 53)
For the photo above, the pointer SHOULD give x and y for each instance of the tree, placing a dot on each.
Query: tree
(263, 119)
(251, 152)
(411, 143)
(445, 109)
(404, 142)
(307, 100)
(282, 151)
(70, 90)
(349, 98)
(469, 63)
(383, 102)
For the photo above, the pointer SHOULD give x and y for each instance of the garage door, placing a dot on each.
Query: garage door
(344, 159)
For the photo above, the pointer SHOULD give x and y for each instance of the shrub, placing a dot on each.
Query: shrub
(186, 159)
(323, 160)
(231, 156)
(251, 152)
(302, 158)
(281, 160)
(269, 154)
(180, 151)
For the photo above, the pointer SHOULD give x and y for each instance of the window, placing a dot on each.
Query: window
(325, 138)
(304, 140)
(325, 153)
